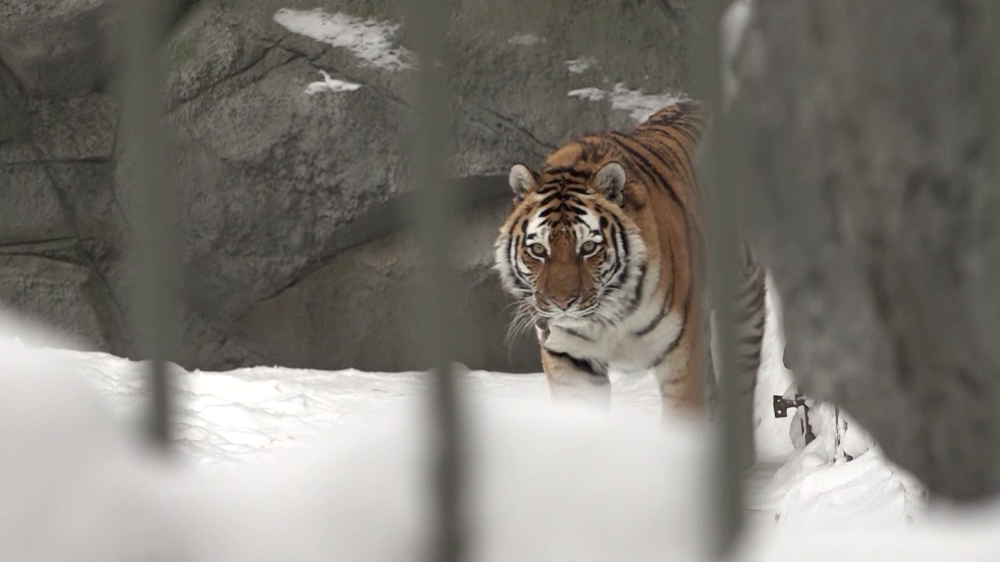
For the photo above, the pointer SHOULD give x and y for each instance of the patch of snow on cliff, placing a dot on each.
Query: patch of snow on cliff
(370, 40)
(328, 84)
(580, 65)
(525, 39)
(640, 105)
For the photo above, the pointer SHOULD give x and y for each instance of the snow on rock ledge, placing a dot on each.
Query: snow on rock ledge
(371, 40)
(329, 84)
(639, 105)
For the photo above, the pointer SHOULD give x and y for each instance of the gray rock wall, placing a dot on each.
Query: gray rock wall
(871, 147)
(294, 204)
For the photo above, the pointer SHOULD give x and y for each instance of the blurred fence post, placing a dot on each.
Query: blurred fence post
(724, 198)
(153, 253)
(429, 21)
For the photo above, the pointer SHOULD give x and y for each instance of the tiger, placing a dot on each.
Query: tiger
(604, 252)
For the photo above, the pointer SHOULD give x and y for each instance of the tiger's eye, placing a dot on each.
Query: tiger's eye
(588, 248)
(537, 250)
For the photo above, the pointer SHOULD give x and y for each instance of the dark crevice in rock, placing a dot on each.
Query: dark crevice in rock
(115, 328)
(13, 123)
(117, 150)
(238, 72)
(292, 56)
(47, 161)
(348, 76)
(102, 300)
(668, 10)
(37, 247)
(513, 125)
(179, 11)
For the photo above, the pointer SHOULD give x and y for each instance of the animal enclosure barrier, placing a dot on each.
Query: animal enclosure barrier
(158, 265)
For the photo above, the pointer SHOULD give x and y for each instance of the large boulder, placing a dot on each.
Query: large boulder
(360, 307)
(62, 295)
(870, 167)
(58, 47)
(287, 124)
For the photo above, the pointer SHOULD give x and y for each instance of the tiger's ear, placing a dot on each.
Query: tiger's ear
(522, 180)
(610, 181)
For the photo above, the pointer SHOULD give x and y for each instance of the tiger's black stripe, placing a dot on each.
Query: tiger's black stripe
(668, 303)
(680, 334)
(592, 368)
(670, 165)
(577, 334)
(646, 167)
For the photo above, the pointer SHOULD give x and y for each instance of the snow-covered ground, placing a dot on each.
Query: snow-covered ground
(265, 453)
(279, 464)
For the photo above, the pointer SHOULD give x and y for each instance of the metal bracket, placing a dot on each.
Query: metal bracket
(782, 405)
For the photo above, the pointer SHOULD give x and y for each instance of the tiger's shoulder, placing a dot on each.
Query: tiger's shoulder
(659, 152)
(680, 121)
(685, 117)
(681, 110)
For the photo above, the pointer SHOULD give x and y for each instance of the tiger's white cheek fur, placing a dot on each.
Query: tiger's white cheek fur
(631, 256)
(515, 275)
(500, 262)
(505, 264)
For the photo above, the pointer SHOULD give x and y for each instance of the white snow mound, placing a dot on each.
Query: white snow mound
(543, 484)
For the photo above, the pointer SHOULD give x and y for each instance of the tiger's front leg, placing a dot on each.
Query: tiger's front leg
(574, 380)
(681, 377)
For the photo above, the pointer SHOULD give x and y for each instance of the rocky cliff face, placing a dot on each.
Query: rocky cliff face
(871, 148)
(287, 123)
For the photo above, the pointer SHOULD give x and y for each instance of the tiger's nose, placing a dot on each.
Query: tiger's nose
(563, 303)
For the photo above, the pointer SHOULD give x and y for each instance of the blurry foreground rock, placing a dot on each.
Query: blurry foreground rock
(871, 135)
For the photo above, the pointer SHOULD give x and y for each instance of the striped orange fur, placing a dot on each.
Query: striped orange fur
(605, 251)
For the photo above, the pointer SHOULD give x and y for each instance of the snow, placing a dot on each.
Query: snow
(580, 65)
(773, 441)
(966, 536)
(247, 416)
(815, 485)
(370, 40)
(69, 489)
(328, 84)
(816, 492)
(275, 463)
(589, 94)
(639, 104)
(525, 39)
(543, 485)
(76, 483)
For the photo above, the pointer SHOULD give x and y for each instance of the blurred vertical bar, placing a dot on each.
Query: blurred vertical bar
(992, 71)
(153, 252)
(724, 200)
(428, 20)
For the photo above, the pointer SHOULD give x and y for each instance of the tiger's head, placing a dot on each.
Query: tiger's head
(568, 250)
